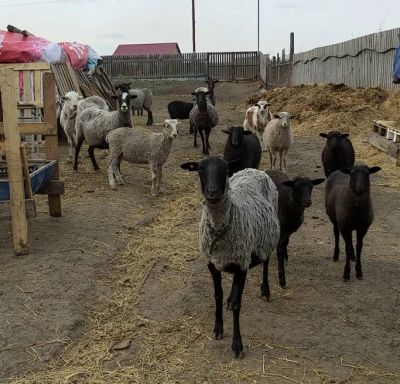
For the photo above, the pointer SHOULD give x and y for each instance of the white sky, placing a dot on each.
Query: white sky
(221, 25)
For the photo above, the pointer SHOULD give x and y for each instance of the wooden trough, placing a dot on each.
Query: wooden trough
(38, 78)
(386, 138)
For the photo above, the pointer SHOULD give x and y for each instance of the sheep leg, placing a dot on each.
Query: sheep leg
(117, 171)
(159, 176)
(207, 136)
(284, 158)
(218, 295)
(191, 130)
(265, 292)
(270, 158)
(239, 280)
(205, 149)
(347, 236)
(149, 116)
(112, 171)
(281, 253)
(70, 149)
(360, 236)
(153, 171)
(195, 137)
(79, 143)
(336, 251)
(91, 155)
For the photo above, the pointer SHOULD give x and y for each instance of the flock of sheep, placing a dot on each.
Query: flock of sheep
(247, 213)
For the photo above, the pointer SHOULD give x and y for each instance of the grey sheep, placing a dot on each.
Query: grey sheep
(349, 207)
(338, 152)
(93, 125)
(239, 229)
(140, 148)
(143, 100)
(278, 138)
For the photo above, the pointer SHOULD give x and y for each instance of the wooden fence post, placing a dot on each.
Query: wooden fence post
(9, 87)
(49, 100)
(291, 53)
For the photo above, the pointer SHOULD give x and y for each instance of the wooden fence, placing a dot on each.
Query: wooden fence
(220, 65)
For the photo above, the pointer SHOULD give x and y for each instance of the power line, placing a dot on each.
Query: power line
(33, 3)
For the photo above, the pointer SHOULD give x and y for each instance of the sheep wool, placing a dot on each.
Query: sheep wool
(245, 221)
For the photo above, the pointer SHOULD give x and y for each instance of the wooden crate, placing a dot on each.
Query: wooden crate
(386, 137)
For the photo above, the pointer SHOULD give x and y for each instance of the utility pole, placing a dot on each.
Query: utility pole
(258, 25)
(193, 27)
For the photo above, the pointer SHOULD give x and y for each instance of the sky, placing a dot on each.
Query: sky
(221, 25)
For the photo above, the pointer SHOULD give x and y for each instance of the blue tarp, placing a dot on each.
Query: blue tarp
(396, 66)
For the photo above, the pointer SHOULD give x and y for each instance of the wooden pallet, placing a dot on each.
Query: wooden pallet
(386, 137)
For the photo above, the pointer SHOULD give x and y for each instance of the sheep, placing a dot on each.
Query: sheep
(140, 148)
(257, 117)
(91, 101)
(349, 207)
(180, 110)
(143, 100)
(239, 229)
(338, 152)
(278, 137)
(203, 116)
(93, 124)
(294, 197)
(243, 146)
(67, 119)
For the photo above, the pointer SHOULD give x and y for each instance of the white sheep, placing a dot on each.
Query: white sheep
(239, 229)
(278, 138)
(93, 124)
(256, 119)
(140, 147)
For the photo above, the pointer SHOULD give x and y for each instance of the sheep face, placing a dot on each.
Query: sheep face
(213, 172)
(359, 178)
(200, 98)
(71, 100)
(263, 107)
(284, 118)
(333, 138)
(171, 128)
(301, 189)
(236, 135)
(124, 98)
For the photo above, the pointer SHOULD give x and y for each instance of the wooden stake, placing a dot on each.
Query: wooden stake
(9, 85)
(25, 168)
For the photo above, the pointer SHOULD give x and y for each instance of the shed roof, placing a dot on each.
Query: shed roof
(147, 49)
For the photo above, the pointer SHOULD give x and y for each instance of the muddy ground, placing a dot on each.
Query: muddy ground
(121, 266)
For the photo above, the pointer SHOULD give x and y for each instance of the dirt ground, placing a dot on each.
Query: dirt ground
(115, 291)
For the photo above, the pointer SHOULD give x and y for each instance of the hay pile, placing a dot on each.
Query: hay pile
(334, 106)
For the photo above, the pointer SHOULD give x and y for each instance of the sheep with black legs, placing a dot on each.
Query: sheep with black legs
(143, 100)
(338, 152)
(93, 124)
(140, 147)
(239, 229)
(349, 207)
(203, 117)
(243, 146)
(294, 198)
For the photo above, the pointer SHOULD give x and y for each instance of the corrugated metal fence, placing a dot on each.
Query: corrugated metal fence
(220, 65)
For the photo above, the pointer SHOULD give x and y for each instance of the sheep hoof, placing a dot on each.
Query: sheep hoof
(219, 331)
(359, 275)
(335, 258)
(353, 258)
(237, 348)
(346, 279)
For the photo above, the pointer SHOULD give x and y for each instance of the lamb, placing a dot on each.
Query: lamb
(338, 152)
(278, 138)
(140, 148)
(257, 117)
(203, 116)
(294, 197)
(239, 229)
(93, 124)
(243, 146)
(349, 207)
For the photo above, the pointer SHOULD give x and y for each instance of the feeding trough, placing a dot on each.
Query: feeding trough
(40, 174)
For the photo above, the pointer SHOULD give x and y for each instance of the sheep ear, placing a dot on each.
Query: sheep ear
(324, 135)
(256, 105)
(64, 98)
(345, 170)
(374, 169)
(225, 131)
(288, 183)
(276, 115)
(193, 93)
(133, 96)
(208, 92)
(80, 97)
(317, 181)
(247, 132)
(344, 135)
(190, 166)
(293, 117)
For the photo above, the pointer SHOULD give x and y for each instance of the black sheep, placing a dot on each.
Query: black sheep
(243, 146)
(338, 152)
(294, 197)
(180, 110)
(349, 207)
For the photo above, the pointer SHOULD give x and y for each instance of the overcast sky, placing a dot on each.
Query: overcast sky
(221, 25)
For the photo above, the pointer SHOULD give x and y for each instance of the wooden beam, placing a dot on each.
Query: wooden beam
(27, 66)
(25, 168)
(387, 146)
(55, 187)
(30, 128)
(8, 85)
(49, 100)
(30, 209)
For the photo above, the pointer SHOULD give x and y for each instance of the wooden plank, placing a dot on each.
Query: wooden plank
(54, 187)
(25, 168)
(8, 84)
(387, 146)
(27, 66)
(29, 208)
(37, 87)
(49, 100)
(31, 128)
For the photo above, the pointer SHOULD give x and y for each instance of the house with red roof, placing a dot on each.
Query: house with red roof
(147, 49)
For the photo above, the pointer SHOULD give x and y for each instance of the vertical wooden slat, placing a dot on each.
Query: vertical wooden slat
(8, 84)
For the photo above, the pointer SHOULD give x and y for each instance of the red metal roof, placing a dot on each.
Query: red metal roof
(147, 49)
